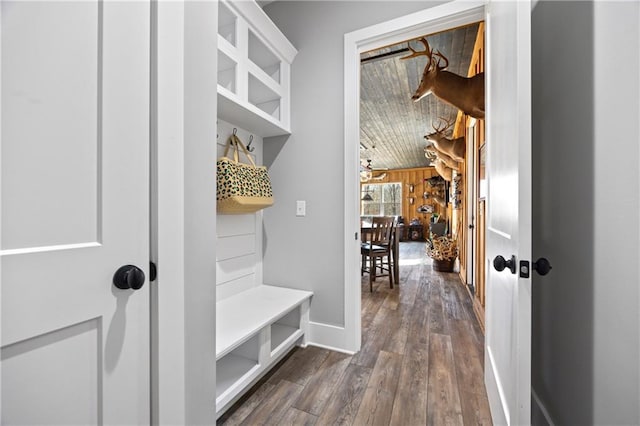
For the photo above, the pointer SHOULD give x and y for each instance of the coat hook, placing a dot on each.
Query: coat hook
(235, 130)
(249, 147)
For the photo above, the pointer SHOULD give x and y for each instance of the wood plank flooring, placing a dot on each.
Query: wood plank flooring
(421, 362)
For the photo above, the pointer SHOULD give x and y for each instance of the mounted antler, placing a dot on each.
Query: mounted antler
(446, 159)
(453, 148)
(415, 53)
(441, 129)
(464, 93)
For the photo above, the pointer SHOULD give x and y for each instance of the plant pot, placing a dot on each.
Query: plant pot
(443, 265)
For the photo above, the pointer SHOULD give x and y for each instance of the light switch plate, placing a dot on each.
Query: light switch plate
(301, 208)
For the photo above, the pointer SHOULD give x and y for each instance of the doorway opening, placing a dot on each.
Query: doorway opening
(395, 32)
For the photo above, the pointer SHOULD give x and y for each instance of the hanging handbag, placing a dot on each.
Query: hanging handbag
(241, 188)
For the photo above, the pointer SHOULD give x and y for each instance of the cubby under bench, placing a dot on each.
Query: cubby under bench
(254, 330)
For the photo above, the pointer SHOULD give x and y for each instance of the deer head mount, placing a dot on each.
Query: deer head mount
(465, 93)
(453, 148)
(443, 170)
(430, 151)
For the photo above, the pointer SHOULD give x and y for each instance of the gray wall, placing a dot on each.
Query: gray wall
(586, 190)
(308, 252)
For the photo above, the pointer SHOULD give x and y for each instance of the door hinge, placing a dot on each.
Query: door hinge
(356, 236)
(153, 271)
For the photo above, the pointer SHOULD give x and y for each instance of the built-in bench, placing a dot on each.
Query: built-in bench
(254, 330)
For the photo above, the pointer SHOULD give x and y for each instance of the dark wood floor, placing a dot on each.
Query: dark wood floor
(421, 362)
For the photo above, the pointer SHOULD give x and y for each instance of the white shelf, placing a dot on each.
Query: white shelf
(254, 78)
(250, 117)
(282, 334)
(242, 316)
(231, 370)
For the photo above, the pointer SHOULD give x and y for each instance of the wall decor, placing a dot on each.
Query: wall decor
(465, 93)
(455, 149)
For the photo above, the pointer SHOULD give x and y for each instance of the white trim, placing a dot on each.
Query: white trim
(168, 392)
(446, 16)
(329, 336)
(331, 348)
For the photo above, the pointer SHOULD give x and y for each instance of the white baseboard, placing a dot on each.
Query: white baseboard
(329, 337)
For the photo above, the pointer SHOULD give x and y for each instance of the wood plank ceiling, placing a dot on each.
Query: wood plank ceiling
(392, 126)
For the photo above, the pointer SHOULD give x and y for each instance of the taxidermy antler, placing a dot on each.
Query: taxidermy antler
(431, 151)
(465, 93)
(437, 199)
(454, 148)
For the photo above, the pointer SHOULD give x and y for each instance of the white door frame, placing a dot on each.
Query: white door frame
(183, 235)
(435, 19)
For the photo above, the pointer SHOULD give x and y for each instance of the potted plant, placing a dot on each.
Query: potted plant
(444, 251)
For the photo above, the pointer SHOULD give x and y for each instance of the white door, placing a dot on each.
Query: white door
(508, 307)
(74, 206)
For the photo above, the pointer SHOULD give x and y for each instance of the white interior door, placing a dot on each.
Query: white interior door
(74, 205)
(508, 306)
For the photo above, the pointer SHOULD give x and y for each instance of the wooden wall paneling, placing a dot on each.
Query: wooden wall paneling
(415, 176)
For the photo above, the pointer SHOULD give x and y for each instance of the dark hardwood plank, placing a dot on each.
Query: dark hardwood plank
(410, 284)
(322, 385)
(467, 358)
(370, 307)
(443, 401)
(436, 312)
(240, 411)
(273, 408)
(410, 404)
(377, 403)
(295, 417)
(399, 326)
(451, 300)
(418, 324)
(300, 366)
(475, 409)
(378, 333)
(343, 405)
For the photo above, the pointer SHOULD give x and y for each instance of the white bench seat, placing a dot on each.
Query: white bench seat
(254, 329)
(242, 315)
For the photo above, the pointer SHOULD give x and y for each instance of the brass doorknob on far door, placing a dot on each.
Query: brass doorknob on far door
(500, 263)
(128, 277)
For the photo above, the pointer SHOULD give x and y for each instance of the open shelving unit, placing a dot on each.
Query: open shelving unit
(256, 324)
(254, 60)
(254, 330)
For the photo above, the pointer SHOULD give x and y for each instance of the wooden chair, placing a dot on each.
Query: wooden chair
(377, 245)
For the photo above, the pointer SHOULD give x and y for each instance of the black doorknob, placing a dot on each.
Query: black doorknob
(499, 263)
(128, 277)
(542, 266)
